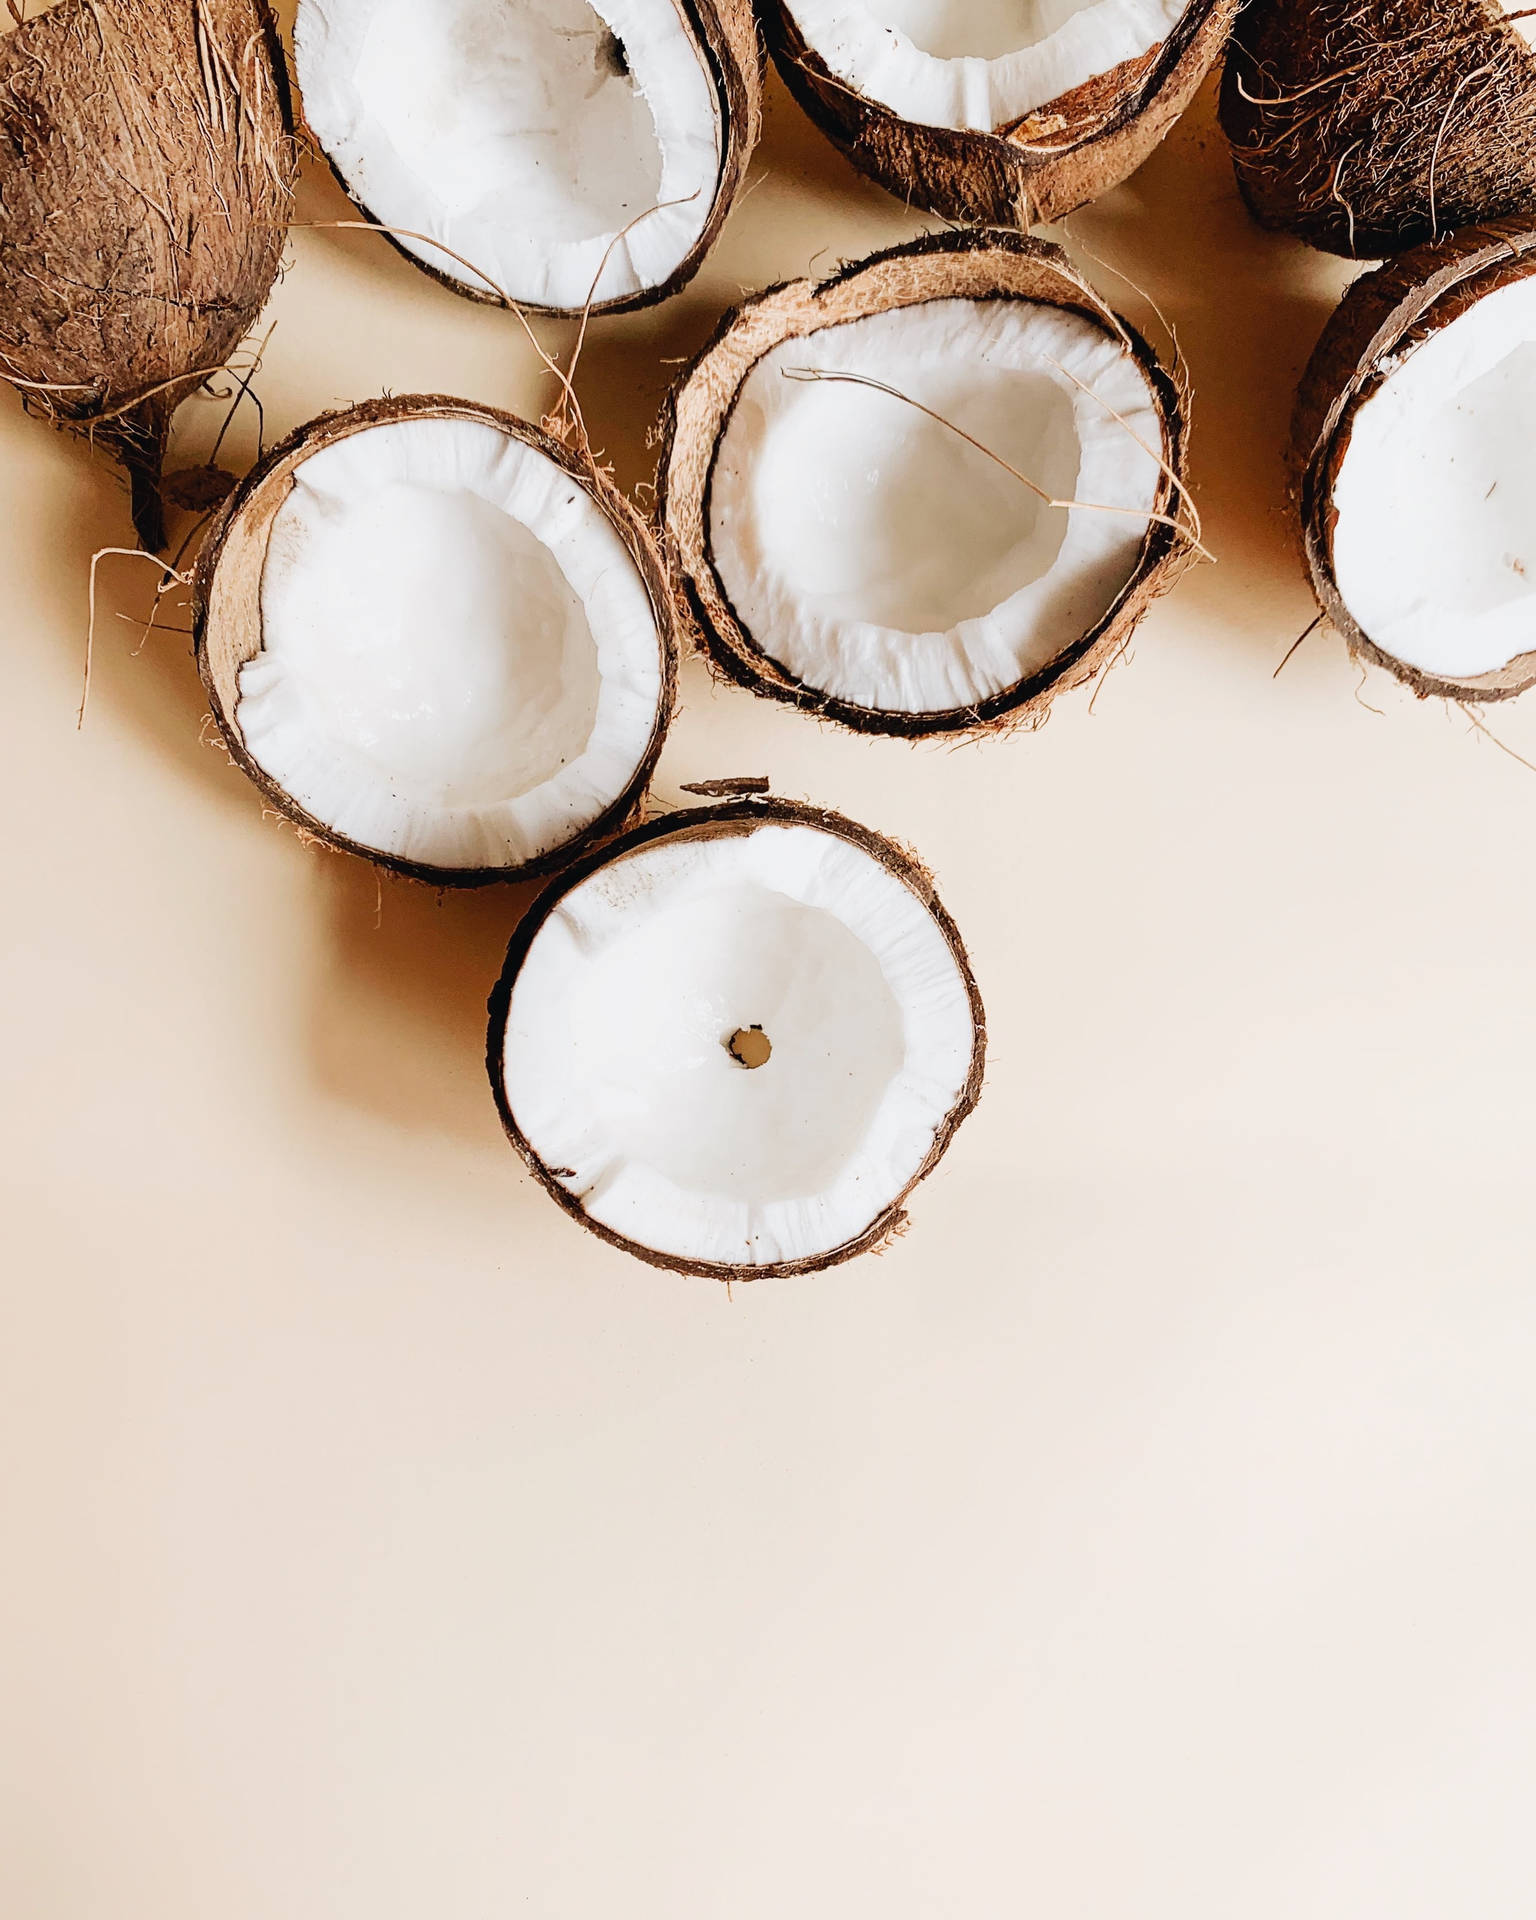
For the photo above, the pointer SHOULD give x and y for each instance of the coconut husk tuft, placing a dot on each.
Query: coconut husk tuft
(1382, 318)
(146, 170)
(227, 628)
(995, 265)
(1035, 170)
(732, 817)
(1368, 126)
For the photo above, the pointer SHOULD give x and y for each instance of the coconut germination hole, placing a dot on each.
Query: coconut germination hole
(702, 1140)
(573, 152)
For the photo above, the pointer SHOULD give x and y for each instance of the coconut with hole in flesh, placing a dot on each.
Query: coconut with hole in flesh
(868, 486)
(734, 1040)
(1414, 447)
(146, 169)
(1367, 126)
(1008, 112)
(436, 637)
(559, 152)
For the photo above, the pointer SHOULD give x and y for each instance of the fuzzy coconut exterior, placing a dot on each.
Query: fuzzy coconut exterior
(996, 265)
(227, 624)
(734, 817)
(1035, 170)
(726, 32)
(1368, 126)
(146, 170)
(1383, 316)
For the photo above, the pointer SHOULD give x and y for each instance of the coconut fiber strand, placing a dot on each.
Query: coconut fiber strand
(1366, 126)
(145, 177)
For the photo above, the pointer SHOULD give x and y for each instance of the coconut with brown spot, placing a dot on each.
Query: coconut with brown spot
(145, 174)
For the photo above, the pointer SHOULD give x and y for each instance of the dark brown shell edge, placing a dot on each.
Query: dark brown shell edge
(730, 817)
(1384, 315)
(727, 32)
(1022, 176)
(1166, 551)
(1367, 126)
(631, 527)
(170, 263)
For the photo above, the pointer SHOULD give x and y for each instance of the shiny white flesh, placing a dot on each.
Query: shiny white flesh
(1434, 549)
(562, 151)
(617, 1063)
(460, 664)
(978, 64)
(1520, 17)
(877, 555)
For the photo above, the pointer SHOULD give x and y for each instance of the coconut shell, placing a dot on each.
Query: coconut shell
(1381, 319)
(727, 33)
(1368, 126)
(1037, 169)
(978, 266)
(227, 628)
(146, 168)
(712, 822)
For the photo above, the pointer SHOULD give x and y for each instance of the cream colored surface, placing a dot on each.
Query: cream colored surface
(1147, 1536)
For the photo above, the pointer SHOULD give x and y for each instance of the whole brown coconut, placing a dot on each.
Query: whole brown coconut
(1367, 126)
(1385, 317)
(1023, 173)
(145, 175)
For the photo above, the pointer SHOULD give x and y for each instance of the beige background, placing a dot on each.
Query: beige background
(1147, 1536)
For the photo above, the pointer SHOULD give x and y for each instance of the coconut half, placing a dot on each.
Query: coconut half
(559, 151)
(432, 636)
(732, 1042)
(1367, 126)
(145, 173)
(872, 552)
(1415, 446)
(1008, 112)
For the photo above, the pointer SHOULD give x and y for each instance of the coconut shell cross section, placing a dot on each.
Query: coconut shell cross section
(434, 636)
(733, 1041)
(1413, 454)
(1008, 116)
(561, 157)
(145, 175)
(1367, 126)
(928, 494)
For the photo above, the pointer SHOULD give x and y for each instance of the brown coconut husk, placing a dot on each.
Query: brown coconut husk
(726, 33)
(1034, 170)
(1381, 319)
(996, 265)
(146, 168)
(1367, 126)
(728, 818)
(226, 613)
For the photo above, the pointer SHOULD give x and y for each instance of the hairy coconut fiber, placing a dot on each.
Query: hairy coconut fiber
(969, 265)
(1038, 169)
(1381, 319)
(1367, 126)
(145, 174)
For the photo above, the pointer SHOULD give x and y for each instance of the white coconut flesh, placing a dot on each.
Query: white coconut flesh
(978, 64)
(1434, 545)
(564, 150)
(460, 664)
(878, 556)
(657, 981)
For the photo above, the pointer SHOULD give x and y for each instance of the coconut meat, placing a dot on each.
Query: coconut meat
(460, 664)
(978, 64)
(1434, 544)
(567, 151)
(877, 555)
(659, 979)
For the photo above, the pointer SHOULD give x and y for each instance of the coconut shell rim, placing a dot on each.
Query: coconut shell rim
(639, 542)
(724, 818)
(1165, 550)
